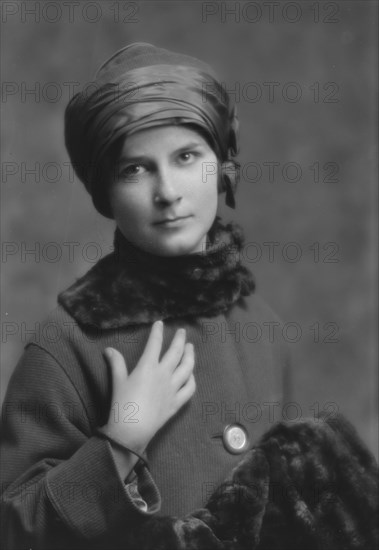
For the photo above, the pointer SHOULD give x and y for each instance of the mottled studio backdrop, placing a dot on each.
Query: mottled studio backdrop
(304, 76)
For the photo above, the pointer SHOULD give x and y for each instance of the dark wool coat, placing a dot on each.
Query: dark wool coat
(61, 485)
(63, 477)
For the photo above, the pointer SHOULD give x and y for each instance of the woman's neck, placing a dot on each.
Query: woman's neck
(131, 286)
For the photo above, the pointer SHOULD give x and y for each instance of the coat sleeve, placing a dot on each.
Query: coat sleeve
(60, 484)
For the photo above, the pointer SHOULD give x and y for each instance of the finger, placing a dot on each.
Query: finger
(118, 367)
(186, 392)
(182, 373)
(175, 352)
(154, 344)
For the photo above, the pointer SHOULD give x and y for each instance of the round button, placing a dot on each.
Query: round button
(235, 438)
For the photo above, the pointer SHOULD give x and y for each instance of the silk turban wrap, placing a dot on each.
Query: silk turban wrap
(141, 87)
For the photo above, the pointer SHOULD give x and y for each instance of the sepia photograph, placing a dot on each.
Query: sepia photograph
(189, 254)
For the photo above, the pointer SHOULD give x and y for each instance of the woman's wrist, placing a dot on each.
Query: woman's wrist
(129, 443)
(125, 461)
(125, 456)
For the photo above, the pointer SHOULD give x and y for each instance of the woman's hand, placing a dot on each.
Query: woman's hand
(143, 401)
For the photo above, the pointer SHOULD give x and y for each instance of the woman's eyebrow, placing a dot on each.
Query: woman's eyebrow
(132, 158)
(145, 157)
(190, 145)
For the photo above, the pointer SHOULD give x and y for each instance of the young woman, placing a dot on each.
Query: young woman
(161, 377)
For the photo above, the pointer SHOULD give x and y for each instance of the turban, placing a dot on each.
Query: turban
(142, 87)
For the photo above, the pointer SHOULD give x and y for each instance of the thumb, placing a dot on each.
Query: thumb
(118, 367)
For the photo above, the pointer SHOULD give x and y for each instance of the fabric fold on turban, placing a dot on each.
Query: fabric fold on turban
(126, 98)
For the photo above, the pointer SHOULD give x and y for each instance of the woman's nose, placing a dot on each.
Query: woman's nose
(166, 189)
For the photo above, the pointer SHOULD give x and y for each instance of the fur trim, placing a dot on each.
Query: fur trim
(130, 286)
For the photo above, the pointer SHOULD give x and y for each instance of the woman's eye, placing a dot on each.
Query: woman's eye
(187, 156)
(133, 170)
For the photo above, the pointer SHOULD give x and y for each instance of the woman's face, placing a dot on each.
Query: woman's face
(164, 193)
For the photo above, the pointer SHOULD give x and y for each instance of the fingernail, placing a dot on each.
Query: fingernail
(108, 352)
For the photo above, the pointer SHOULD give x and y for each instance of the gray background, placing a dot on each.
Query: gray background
(302, 47)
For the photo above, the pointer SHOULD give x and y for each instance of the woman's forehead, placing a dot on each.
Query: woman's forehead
(170, 137)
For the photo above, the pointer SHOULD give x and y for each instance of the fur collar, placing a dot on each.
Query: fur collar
(130, 286)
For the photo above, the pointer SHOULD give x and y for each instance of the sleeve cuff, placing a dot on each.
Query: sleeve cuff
(143, 492)
(88, 493)
(132, 490)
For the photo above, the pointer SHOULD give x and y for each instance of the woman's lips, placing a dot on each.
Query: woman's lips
(173, 222)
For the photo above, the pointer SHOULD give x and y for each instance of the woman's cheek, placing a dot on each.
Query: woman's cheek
(211, 192)
(206, 183)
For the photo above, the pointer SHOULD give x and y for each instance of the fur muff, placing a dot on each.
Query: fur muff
(130, 286)
(306, 485)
